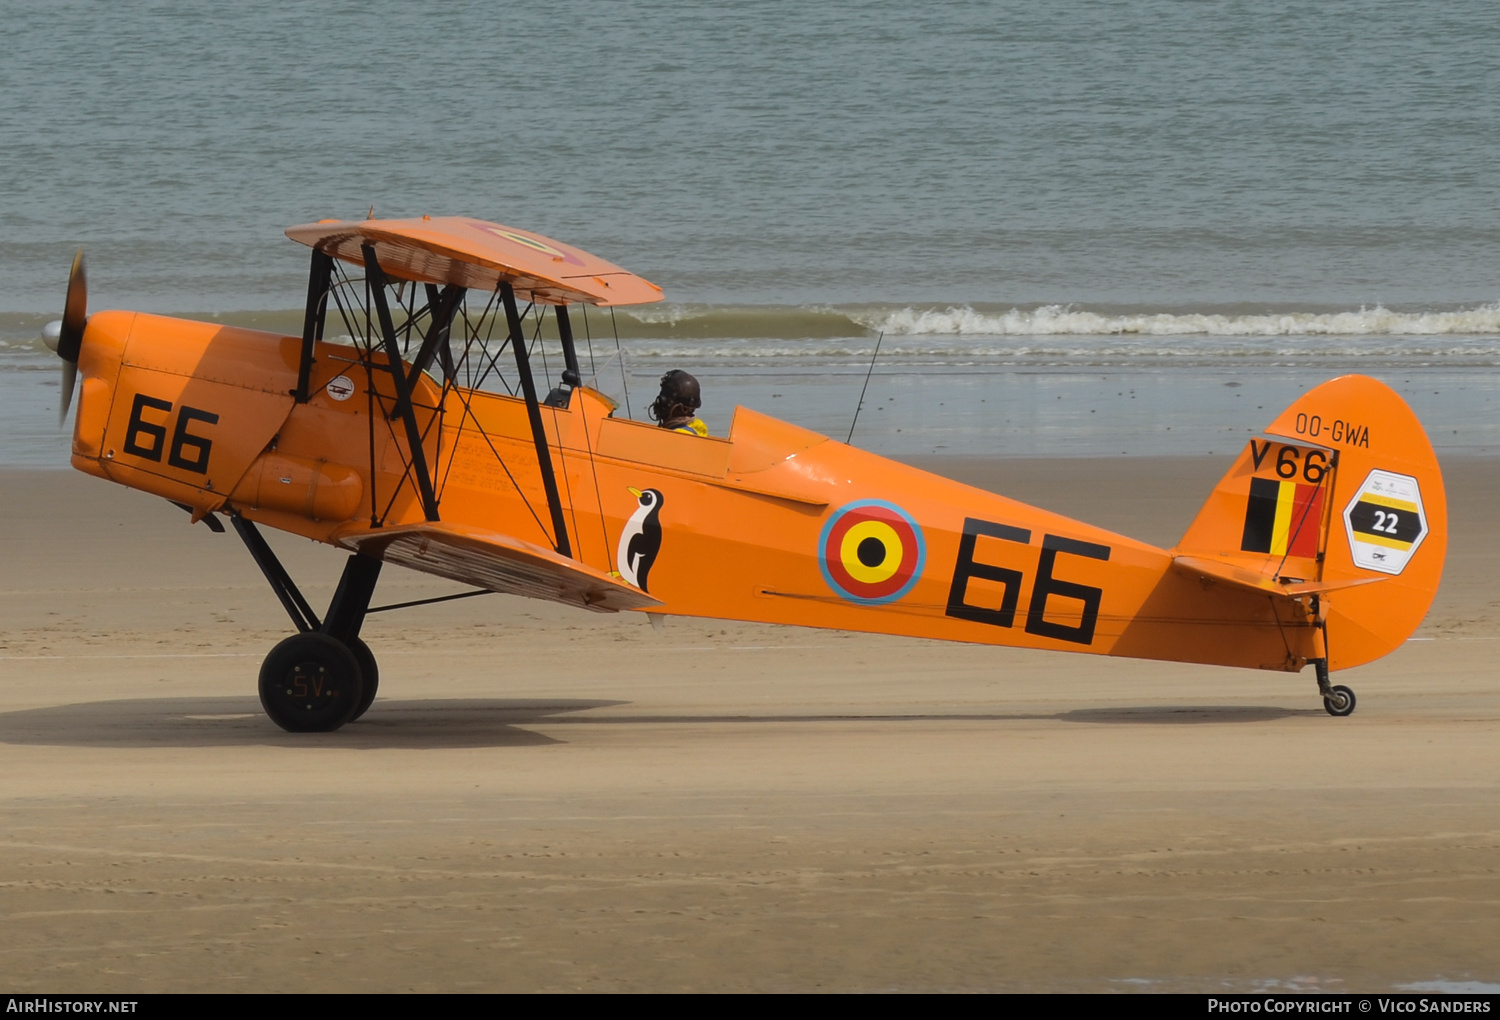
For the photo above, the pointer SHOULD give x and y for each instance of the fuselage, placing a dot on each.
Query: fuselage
(773, 523)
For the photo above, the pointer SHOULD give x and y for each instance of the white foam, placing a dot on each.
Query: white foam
(1084, 349)
(1060, 320)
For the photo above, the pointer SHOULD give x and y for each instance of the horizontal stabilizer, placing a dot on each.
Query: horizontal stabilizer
(1250, 580)
(497, 562)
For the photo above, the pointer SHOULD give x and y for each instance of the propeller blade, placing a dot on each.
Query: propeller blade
(69, 378)
(75, 311)
(70, 333)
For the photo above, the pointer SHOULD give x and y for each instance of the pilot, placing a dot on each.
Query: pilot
(676, 406)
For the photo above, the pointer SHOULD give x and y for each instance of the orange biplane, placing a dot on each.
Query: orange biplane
(423, 439)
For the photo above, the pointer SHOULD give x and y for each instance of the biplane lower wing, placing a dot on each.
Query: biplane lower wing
(499, 563)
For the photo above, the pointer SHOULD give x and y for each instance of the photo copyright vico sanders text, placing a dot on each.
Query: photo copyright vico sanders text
(1362, 1005)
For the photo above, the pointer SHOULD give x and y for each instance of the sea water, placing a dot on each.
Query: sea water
(1039, 212)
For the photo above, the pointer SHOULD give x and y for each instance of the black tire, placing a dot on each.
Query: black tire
(1339, 701)
(369, 675)
(310, 683)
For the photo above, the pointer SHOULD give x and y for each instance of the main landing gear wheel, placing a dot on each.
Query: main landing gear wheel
(1339, 700)
(311, 683)
(369, 674)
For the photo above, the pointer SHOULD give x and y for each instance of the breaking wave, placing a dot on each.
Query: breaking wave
(1065, 335)
(962, 335)
(1062, 320)
(773, 322)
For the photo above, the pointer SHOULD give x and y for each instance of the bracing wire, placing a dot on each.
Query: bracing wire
(481, 361)
(865, 387)
(589, 339)
(536, 341)
(494, 359)
(343, 282)
(1301, 522)
(562, 457)
(598, 492)
(624, 378)
(589, 443)
(464, 394)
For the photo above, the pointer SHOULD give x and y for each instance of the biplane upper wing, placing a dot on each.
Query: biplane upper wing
(479, 255)
(498, 562)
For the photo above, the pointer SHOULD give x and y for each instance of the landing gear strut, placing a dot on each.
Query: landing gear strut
(324, 676)
(1338, 700)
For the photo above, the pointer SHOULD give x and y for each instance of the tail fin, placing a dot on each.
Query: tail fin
(1344, 490)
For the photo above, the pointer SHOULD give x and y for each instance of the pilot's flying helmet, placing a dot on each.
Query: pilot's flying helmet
(678, 390)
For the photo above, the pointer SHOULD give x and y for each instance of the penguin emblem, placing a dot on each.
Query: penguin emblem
(640, 540)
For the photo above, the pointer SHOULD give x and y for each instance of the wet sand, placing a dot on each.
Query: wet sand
(544, 799)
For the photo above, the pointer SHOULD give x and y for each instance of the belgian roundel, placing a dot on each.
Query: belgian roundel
(871, 552)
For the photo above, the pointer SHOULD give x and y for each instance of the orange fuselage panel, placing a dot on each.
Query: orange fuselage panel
(774, 523)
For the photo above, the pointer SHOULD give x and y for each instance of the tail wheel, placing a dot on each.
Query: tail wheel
(1339, 700)
(369, 674)
(310, 683)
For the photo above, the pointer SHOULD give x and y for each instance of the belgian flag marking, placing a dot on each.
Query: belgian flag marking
(1385, 522)
(1282, 518)
(871, 552)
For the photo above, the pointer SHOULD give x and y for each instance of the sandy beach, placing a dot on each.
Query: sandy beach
(544, 799)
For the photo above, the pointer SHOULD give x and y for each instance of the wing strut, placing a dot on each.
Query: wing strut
(376, 278)
(442, 304)
(571, 375)
(534, 412)
(312, 323)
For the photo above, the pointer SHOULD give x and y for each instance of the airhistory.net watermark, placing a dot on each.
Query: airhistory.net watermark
(68, 1004)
